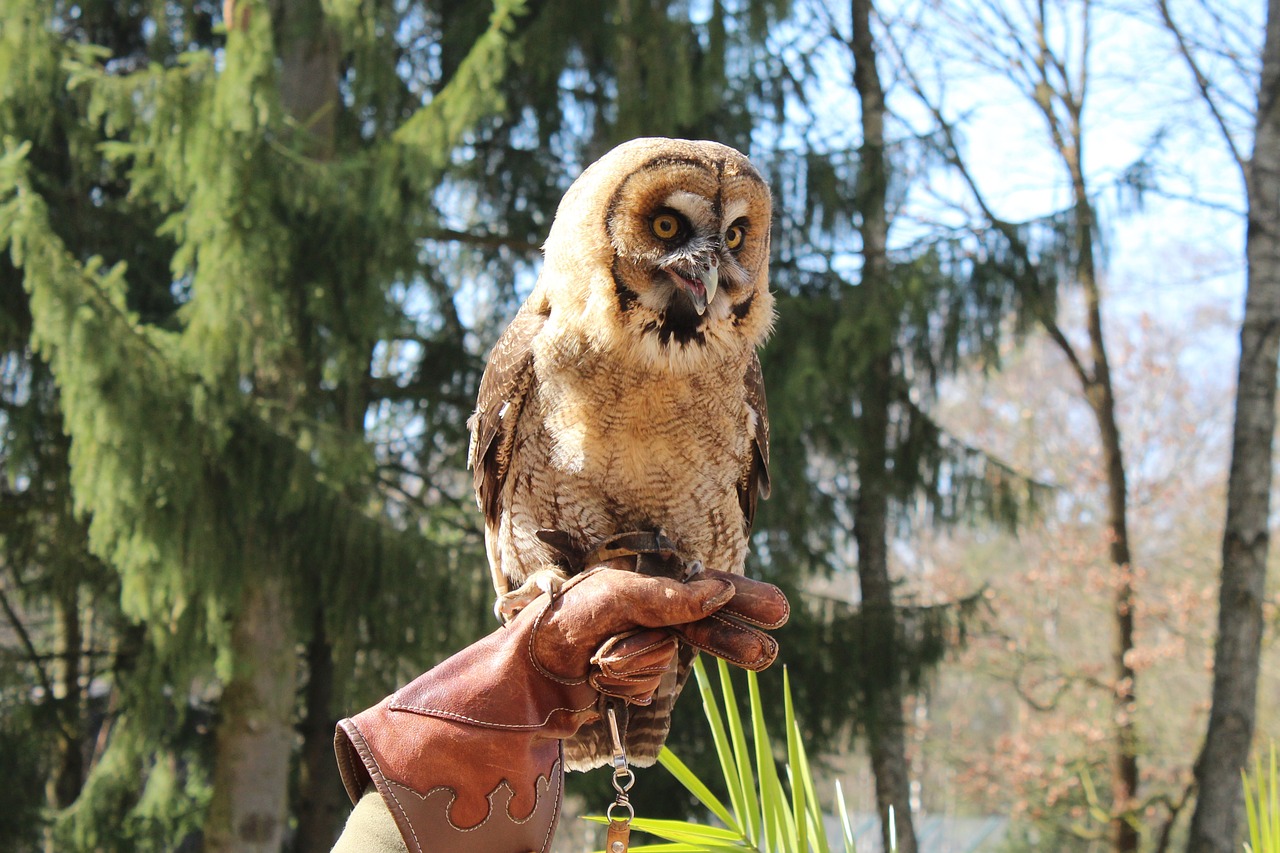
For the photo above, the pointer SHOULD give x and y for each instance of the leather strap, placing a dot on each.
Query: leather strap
(636, 543)
(653, 552)
(618, 839)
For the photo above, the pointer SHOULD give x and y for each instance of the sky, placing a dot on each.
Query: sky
(1174, 252)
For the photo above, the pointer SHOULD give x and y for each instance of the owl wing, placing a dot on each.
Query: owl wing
(503, 389)
(755, 478)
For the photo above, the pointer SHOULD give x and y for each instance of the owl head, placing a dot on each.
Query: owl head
(662, 247)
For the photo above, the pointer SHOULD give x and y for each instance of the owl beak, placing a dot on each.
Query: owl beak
(700, 284)
(710, 279)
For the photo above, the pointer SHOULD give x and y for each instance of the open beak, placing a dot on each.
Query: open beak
(701, 285)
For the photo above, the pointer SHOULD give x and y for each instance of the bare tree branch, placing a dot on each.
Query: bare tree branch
(1202, 83)
(485, 241)
(34, 658)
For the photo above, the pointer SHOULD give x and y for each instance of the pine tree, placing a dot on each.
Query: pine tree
(219, 453)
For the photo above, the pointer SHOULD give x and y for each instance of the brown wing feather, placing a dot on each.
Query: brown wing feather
(755, 479)
(503, 387)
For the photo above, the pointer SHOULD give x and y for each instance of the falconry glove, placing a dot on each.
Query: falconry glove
(468, 757)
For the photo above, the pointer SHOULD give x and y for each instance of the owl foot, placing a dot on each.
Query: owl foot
(543, 580)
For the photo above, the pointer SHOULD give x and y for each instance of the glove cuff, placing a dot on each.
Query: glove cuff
(467, 757)
(469, 814)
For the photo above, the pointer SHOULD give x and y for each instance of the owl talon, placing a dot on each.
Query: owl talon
(547, 581)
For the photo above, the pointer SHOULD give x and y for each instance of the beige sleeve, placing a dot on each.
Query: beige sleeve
(370, 829)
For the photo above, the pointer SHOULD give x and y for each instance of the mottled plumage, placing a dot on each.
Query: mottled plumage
(626, 394)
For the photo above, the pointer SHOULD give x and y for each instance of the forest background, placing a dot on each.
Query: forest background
(253, 254)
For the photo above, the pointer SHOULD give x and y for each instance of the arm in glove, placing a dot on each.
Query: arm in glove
(467, 757)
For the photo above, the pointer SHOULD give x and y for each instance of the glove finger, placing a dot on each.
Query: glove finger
(620, 600)
(754, 602)
(605, 601)
(630, 666)
(734, 641)
(636, 654)
(637, 691)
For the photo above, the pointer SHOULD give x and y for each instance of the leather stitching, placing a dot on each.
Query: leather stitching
(557, 769)
(368, 756)
(721, 653)
(553, 787)
(777, 623)
(533, 634)
(348, 753)
(453, 715)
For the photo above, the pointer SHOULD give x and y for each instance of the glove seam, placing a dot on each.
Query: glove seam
(738, 660)
(655, 644)
(385, 788)
(632, 675)
(533, 658)
(622, 679)
(559, 798)
(554, 788)
(453, 715)
(609, 666)
(348, 753)
(777, 623)
(449, 820)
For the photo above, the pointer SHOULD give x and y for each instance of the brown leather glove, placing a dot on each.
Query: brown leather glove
(468, 756)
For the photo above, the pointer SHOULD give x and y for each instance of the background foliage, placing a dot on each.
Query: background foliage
(252, 256)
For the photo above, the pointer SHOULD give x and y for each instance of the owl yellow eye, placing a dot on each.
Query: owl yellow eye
(665, 226)
(734, 236)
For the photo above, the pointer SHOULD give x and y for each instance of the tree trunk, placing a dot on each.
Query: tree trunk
(1101, 396)
(309, 92)
(887, 732)
(309, 54)
(321, 799)
(1124, 756)
(66, 778)
(1216, 819)
(248, 811)
(886, 729)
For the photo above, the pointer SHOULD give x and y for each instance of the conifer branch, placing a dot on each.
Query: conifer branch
(1073, 358)
(464, 524)
(972, 450)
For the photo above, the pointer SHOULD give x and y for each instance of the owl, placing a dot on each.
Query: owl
(626, 395)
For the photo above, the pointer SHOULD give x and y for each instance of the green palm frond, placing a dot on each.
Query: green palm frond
(761, 812)
(1262, 806)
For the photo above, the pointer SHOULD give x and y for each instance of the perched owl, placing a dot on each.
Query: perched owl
(626, 394)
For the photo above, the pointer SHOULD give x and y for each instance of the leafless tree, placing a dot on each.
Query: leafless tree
(1042, 48)
(1246, 539)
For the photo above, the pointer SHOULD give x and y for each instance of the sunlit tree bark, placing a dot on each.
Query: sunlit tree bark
(1216, 821)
